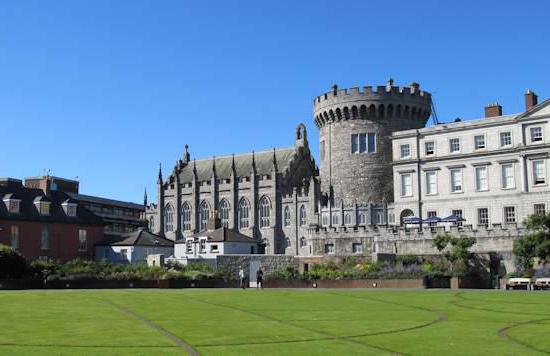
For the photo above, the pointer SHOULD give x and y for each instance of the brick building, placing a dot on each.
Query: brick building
(50, 224)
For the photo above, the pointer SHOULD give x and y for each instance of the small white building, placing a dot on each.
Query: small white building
(133, 247)
(211, 243)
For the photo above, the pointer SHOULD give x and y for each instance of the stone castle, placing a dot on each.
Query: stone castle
(289, 206)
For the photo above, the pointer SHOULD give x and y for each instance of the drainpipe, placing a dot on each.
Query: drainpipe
(419, 178)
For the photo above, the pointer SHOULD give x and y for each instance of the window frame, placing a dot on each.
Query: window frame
(506, 219)
(451, 151)
(407, 153)
(503, 178)
(479, 217)
(536, 139)
(501, 136)
(543, 164)
(484, 137)
(427, 181)
(478, 178)
(426, 150)
(82, 240)
(451, 185)
(403, 190)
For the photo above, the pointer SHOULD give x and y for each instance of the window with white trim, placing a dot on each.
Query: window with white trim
(507, 171)
(454, 145)
(431, 182)
(458, 214)
(82, 240)
(510, 214)
(362, 218)
(406, 185)
(405, 151)
(482, 183)
(483, 216)
(479, 142)
(456, 180)
(505, 139)
(539, 172)
(429, 148)
(14, 237)
(539, 209)
(329, 249)
(357, 247)
(363, 142)
(536, 134)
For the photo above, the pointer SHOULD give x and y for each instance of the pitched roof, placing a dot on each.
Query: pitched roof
(221, 234)
(28, 211)
(140, 237)
(243, 165)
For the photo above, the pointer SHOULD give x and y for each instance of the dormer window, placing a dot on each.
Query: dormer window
(69, 207)
(12, 203)
(42, 204)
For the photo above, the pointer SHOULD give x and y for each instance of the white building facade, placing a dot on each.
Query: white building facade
(491, 172)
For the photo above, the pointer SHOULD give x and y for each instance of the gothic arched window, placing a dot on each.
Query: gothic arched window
(303, 215)
(244, 214)
(264, 212)
(169, 218)
(286, 216)
(347, 219)
(223, 208)
(303, 242)
(362, 218)
(204, 214)
(186, 217)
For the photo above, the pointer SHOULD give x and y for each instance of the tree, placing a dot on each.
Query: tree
(12, 264)
(456, 250)
(534, 245)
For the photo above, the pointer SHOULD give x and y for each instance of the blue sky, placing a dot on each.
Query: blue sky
(105, 90)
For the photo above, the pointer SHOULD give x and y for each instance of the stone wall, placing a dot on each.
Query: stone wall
(269, 263)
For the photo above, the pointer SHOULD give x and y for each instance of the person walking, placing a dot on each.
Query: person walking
(259, 278)
(242, 278)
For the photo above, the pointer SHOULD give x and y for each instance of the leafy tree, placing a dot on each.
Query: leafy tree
(456, 250)
(534, 245)
(12, 264)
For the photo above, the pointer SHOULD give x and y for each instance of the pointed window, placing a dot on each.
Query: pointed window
(224, 213)
(204, 214)
(244, 214)
(264, 212)
(303, 215)
(287, 216)
(168, 218)
(186, 217)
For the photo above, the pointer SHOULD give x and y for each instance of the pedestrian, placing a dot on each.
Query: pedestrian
(242, 278)
(259, 278)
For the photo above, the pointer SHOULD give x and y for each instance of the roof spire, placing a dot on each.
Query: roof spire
(274, 160)
(214, 165)
(233, 161)
(186, 155)
(253, 163)
(159, 180)
(145, 197)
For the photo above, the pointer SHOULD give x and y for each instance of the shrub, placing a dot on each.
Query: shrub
(12, 264)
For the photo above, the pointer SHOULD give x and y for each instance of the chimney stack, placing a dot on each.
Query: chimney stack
(492, 110)
(531, 100)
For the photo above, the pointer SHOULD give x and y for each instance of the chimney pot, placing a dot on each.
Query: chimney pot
(531, 100)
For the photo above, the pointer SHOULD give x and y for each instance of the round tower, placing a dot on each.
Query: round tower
(355, 127)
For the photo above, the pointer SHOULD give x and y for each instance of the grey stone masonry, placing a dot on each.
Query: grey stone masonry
(362, 174)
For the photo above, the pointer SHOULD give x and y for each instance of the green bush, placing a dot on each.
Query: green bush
(12, 264)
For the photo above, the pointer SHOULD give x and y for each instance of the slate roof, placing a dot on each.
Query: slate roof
(243, 165)
(140, 237)
(29, 212)
(99, 200)
(221, 234)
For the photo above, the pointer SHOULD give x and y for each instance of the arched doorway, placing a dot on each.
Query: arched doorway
(405, 213)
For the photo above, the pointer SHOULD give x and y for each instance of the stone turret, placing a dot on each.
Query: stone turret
(355, 128)
(160, 187)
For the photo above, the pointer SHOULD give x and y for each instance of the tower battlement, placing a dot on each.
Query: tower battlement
(372, 103)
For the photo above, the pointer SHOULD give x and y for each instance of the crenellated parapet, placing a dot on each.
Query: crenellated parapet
(372, 103)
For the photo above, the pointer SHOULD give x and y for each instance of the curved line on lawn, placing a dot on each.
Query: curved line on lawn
(462, 299)
(267, 317)
(335, 337)
(503, 333)
(384, 301)
(177, 340)
(90, 346)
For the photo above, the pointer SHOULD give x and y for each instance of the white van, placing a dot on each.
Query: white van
(519, 283)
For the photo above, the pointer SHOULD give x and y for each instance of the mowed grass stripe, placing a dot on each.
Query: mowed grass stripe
(272, 322)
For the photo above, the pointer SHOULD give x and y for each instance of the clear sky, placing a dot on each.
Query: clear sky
(105, 90)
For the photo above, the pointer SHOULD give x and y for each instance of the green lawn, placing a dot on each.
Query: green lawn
(212, 322)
